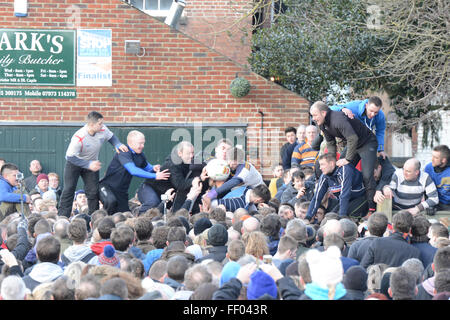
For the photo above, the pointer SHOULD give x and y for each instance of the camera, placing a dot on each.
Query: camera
(19, 176)
(164, 197)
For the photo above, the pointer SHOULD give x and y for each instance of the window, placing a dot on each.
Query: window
(158, 8)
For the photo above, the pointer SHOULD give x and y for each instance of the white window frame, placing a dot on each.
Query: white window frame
(154, 13)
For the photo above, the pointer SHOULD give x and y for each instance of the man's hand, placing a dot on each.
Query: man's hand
(157, 167)
(204, 174)
(348, 113)
(27, 199)
(414, 210)
(95, 165)
(378, 197)
(342, 162)
(163, 175)
(8, 258)
(272, 271)
(23, 223)
(381, 153)
(301, 192)
(170, 193)
(262, 205)
(194, 191)
(206, 204)
(245, 272)
(122, 148)
(387, 192)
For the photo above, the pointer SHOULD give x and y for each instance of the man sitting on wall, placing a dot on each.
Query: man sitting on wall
(411, 189)
(439, 171)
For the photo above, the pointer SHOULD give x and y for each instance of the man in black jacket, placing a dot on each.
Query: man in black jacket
(395, 249)
(181, 178)
(288, 147)
(383, 172)
(361, 143)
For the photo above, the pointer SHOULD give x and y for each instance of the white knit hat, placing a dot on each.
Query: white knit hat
(49, 195)
(325, 267)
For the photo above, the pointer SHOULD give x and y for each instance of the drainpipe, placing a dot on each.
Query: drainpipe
(261, 153)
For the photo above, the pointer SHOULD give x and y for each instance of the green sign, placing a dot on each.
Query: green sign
(38, 93)
(30, 57)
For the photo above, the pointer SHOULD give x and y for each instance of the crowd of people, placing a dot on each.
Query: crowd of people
(213, 229)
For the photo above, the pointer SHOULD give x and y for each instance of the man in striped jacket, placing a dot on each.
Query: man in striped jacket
(411, 189)
(248, 200)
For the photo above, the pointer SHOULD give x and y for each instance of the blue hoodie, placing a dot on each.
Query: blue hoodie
(358, 108)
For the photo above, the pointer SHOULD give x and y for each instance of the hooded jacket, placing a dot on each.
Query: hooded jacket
(358, 108)
(42, 273)
(79, 252)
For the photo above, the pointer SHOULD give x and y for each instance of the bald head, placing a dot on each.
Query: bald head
(333, 226)
(250, 224)
(136, 141)
(318, 112)
(311, 133)
(411, 169)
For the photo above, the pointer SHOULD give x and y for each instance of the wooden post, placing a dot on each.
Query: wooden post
(386, 207)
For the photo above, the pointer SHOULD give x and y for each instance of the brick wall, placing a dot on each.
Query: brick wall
(222, 25)
(179, 80)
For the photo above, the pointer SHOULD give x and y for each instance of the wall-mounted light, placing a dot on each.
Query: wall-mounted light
(134, 47)
(20, 8)
(175, 12)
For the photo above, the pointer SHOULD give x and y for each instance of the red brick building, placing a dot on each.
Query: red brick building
(179, 80)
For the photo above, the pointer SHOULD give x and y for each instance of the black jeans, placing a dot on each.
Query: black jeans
(368, 155)
(113, 200)
(71, 175)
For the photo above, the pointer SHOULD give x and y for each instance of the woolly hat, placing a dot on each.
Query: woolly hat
(260, 284)
(355, 279)
(40, 177)
(109, 257)
(77, 193)
(325, 267)
(201, 225)
(49, 195)
(230, 270)
(217, 235)
(185, 223)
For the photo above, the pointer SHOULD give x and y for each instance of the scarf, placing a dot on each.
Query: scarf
(315, 292)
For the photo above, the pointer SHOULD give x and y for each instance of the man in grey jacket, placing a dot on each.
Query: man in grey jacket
(82, 160)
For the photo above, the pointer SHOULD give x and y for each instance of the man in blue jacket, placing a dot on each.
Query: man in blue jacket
(369, 112)
(439, 171)
(9, 196)
(345, 187)
(114, 186)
